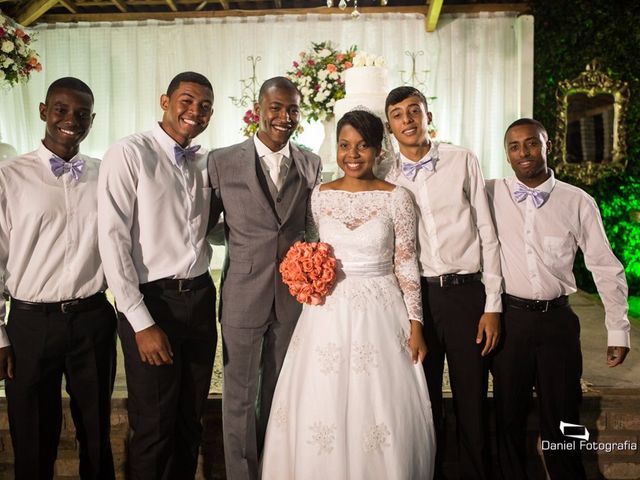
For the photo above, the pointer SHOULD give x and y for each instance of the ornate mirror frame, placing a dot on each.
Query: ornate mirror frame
(592, 82)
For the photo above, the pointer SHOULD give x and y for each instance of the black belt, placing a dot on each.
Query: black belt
(181, 284)
(66, 306)
(454, 279)
(536, 305)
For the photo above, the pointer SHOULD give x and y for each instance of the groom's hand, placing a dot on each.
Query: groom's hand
(489, 328)
(154, 346)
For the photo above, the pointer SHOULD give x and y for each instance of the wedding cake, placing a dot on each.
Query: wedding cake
(365, 86)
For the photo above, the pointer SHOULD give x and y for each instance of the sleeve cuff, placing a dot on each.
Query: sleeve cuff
(4, 338)
(493, 303)
(139, 317)
(618, 338)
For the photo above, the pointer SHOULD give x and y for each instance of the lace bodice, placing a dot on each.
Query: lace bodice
(372, 234)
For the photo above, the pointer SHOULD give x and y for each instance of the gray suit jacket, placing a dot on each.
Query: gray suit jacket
(259, 229)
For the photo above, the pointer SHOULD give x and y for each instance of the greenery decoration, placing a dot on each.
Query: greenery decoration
(568, 36)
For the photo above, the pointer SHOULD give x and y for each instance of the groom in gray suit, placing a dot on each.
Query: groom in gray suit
(262, 186)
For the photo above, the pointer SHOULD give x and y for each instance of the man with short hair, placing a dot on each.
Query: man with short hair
(541, 222)
(153, 208)
(60, 323)
(460, 268)
(262, 185)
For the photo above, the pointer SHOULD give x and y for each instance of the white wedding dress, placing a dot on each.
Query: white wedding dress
(349, 403)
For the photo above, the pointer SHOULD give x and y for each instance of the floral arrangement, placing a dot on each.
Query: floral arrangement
(17, 58)
(318, 73)
(364, 59)
(251, 121)
(308, 270)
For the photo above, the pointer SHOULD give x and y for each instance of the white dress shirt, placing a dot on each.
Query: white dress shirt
(455, 228)
(276, 163)
(538, 248)
(48, 232)
(153, 216)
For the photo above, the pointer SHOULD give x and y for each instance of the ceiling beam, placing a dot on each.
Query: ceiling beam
(69, 5)
(201, 5)
(120, 5)
(172, 5)
(433, 14)
(277, 3)
(518, 8)
(34, 11)
(224, 3)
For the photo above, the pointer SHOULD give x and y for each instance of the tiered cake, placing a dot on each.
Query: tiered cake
(364, 86)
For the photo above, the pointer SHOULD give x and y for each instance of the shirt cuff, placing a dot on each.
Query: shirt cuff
(4, 338)
(139, 317)
(618, 338)
(493, 303)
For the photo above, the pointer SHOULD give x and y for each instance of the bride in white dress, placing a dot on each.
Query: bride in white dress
(351, 401)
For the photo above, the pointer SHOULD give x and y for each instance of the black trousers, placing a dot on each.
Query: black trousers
(166, 402)
(451, 316)
(540, 349)
(80, 346)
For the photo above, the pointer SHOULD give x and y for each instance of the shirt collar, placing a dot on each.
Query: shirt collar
(263, 150)
(432, 153)
(546, 186)
(44, 154)
(166, 142)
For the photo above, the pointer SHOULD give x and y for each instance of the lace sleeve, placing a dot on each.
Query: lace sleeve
(405, 254)
(312, 233)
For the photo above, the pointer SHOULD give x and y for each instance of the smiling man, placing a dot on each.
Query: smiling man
(60, 322)
(262, 185)
(460, 269)
(153, 207)
(541, 222)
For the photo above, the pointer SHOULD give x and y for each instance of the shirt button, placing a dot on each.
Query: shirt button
(278, 200)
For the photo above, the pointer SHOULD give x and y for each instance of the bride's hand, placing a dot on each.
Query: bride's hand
(417, 345)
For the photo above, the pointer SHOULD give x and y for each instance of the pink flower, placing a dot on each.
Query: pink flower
(340, 57)
(2, 32)
(296, 64)
(348, 65)
(311, 62)
(20, 33)
(331, 68)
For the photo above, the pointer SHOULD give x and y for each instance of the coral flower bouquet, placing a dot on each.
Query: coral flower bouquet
(318, 74)
(309, 270)
(17, 58)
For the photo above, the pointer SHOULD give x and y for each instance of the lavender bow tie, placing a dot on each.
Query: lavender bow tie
(59, 167)
(538, 197)
(185, 154)
(410, 169)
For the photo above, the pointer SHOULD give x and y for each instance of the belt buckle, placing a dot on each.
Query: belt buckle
(183, 281)
(64, 306)
(546, 306)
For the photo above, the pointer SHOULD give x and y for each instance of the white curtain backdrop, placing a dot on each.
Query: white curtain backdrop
(481, 71)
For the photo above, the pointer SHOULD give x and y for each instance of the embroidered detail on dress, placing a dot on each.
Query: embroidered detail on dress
(403, 341)
(363, 357)
(323, 436)
(330, 358)
(294, 344)
(376, 438)
(280, 416)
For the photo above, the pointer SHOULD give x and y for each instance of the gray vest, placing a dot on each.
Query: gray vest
(280, 201)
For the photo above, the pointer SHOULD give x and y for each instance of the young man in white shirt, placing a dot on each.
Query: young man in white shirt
(541, 222)
(460, 269)
(153, 208)
(60, 323)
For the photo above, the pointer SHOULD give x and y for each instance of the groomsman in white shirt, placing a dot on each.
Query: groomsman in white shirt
(541, 222)
(460, 268)
(153, 208)
(60, 323)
